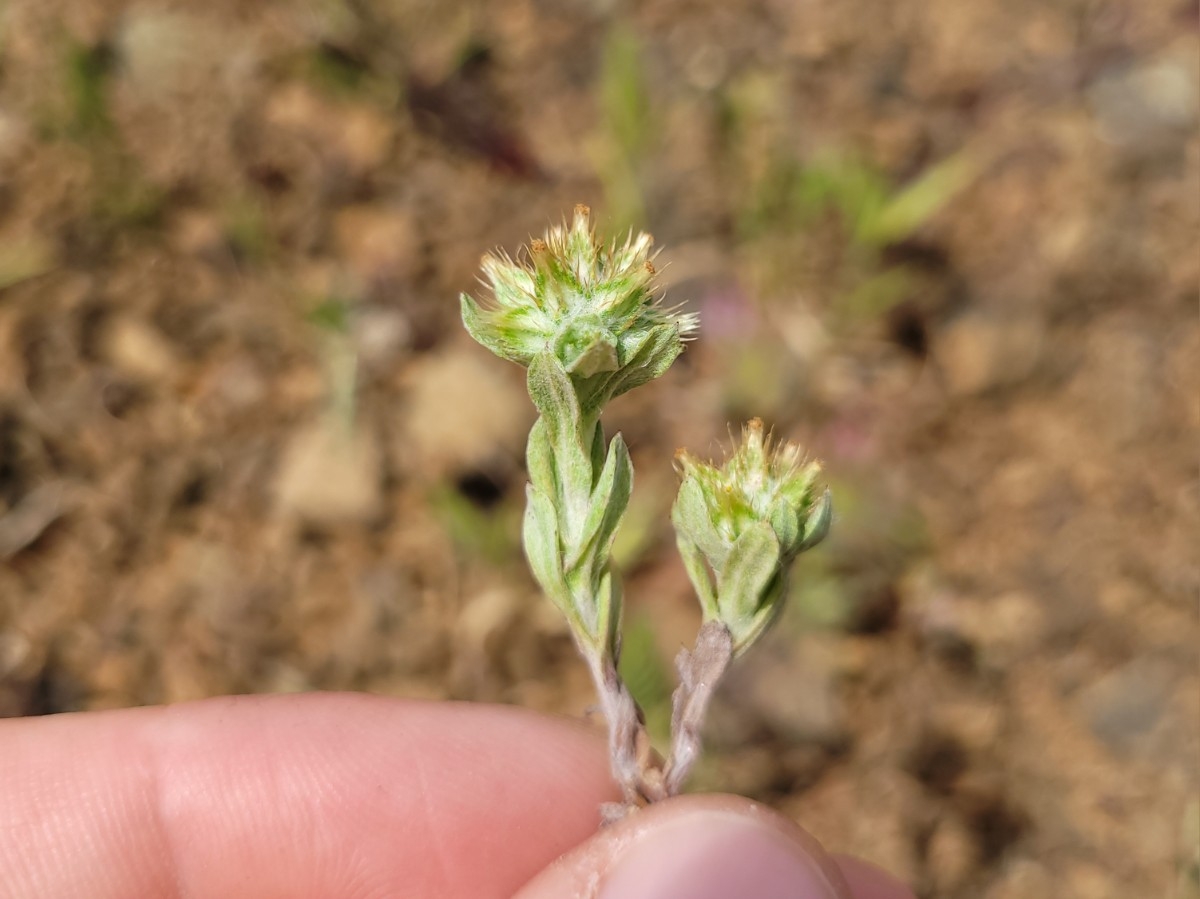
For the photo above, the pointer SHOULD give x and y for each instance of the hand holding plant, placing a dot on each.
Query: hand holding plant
(584, 319)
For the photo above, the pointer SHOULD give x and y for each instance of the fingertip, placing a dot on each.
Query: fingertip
(869, 882)
(704, 847)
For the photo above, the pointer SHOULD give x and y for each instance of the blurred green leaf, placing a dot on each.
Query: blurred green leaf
(87, 70)
(336, 71)
(906, 211)
(24, 259)
(331, 314)
(628, 126)
(490, 535)
(247, 229)
(623, 95)
(645, 672)
(877, 293)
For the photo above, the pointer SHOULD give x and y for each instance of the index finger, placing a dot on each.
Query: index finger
(321, 795)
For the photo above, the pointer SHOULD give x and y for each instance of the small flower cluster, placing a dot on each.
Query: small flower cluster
(592, 307)
(740, 525)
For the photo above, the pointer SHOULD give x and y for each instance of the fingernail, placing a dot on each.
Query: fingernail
(713, 855)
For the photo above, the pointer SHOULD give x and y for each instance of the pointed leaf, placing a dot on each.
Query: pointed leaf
(542, 548)
(609, 599)
(819, 518)
(692, 519)
(700, 576)
(608, 503)
(785, 522)
(478, 327)
(761, 621)
(652, 359)
(554, 395)
(742, 581)
(539, 459)
(597, 454)
(644, 357)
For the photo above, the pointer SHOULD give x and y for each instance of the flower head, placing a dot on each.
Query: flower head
(741, 524)
(592, 306)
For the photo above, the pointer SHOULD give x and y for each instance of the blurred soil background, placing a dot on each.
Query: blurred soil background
(949, 245)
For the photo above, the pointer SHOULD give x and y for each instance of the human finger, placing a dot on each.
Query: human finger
(704, 847)
(321, 795)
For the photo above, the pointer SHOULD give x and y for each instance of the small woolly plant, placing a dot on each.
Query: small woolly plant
(584, 319)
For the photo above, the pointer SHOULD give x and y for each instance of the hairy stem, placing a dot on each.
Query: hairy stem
(635, 765)
(699, 672)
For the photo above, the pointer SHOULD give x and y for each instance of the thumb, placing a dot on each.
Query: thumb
(695, 847)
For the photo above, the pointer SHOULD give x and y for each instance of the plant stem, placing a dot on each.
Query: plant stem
(635, 765)
(699, 672)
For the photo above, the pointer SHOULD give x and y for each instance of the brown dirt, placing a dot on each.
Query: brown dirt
(988, 679)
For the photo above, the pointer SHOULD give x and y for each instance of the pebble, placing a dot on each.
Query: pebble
(980, 351)
(15, 651)
(1127, 703)
(999, 631)
(973, 724)
(329, 475)
(139, 351)
(1149, 106)
(379, 245)
(381, 335)
(951, 855)
(357, 136)
(1023, 879)
(463, 411)
(1004, 629)
(14, 136)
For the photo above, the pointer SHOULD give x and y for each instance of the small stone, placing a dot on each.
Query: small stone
(15, 651)
(365, 138)
(380, 245)
(998, 632)
(482, 625)
(489, 613)
(198, 233)
(1126, 704)
(358, 137)
(381, 336)
(1004, 629)
(14, 136)
(139, 350)
(981, 351)
(464, 412)
(951, 855)
(1145, 107)
(1023, 879)
(161, 52)
(974, 724)
(234, 386)
(329, 475)
(1089, 880)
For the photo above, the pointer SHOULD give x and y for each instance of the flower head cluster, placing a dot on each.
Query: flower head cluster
(592, 306)
(740, 525)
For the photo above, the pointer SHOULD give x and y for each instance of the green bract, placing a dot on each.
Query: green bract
(740, 525)
(592, 307)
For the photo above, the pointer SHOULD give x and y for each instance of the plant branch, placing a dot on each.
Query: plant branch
(699, 672)
(636, 767)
